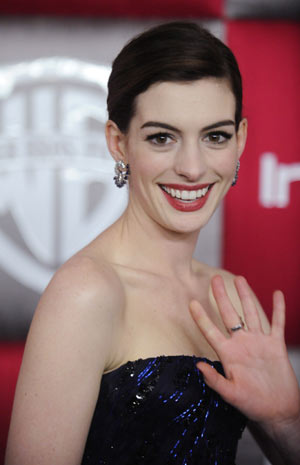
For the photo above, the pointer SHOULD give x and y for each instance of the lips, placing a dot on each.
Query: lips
(184, 187)
(186, 198)
(185, 194)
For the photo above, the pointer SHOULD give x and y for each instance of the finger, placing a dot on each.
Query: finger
(211, 333)
(249, 307)
(278, 317)
(229, 315)
(216, 381)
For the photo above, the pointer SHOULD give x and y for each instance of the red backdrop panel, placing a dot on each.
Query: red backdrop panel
(125, 8)
(10, 361)
(262, 221)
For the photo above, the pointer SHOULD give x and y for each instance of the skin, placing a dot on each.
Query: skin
(252, 359)
(109, 304)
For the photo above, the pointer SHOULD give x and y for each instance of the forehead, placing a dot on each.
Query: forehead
(203, 101)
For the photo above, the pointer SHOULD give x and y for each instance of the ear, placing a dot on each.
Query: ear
(242, 136)
(116, 141)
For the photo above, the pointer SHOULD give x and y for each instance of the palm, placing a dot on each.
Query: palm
(259, 381)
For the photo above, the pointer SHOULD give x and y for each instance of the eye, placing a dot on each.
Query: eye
(218, 137)
(160, 138)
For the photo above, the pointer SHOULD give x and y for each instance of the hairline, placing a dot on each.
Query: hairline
(179, 81)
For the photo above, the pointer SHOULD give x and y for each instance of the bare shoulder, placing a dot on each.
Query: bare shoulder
(71, 341)
(84, 292)
(86, 281)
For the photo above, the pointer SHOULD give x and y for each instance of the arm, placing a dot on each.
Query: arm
(68, 346)
(259, 381)
(277, 444)
(281, 447)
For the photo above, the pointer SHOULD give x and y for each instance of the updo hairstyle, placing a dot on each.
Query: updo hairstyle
(174, 52)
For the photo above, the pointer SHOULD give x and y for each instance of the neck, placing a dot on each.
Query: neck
(164, 252)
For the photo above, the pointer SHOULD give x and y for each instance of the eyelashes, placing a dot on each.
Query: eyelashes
(213, 137)
(160, 138)
(218, 137)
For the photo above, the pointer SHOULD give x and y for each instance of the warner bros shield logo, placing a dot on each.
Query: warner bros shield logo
(56, 175)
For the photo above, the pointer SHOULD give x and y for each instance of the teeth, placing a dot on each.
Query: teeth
(186, 195)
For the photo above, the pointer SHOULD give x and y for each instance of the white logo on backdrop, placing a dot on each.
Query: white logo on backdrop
(275, 180)
(56, 187)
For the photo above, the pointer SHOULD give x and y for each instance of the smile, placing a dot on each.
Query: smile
(186, 194)
(189, 199)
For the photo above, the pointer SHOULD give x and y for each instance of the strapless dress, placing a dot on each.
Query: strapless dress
(159, 411)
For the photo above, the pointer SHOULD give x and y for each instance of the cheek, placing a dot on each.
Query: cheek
(146, 165)
(225, 164)
(142, 169)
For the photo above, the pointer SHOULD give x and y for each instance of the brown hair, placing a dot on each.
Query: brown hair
(176, 51)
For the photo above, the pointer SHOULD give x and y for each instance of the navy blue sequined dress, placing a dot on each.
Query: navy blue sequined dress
(159, 411)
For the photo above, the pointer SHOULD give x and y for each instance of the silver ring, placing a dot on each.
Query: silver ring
(237, 327)
(241, 325)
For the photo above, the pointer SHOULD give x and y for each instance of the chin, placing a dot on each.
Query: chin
(187, 225)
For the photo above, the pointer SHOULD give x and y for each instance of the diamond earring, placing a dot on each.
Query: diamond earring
(236, 173)
(122, 172)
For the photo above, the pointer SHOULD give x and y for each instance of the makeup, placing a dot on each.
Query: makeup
(186, 198)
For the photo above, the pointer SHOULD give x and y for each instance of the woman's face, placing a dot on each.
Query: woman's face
(182, 148)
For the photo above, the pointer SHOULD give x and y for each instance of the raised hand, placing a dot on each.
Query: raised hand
(260, 380)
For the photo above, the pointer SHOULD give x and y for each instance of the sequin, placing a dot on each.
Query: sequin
(159, 411)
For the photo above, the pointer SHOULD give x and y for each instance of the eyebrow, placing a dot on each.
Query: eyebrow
(157, 124)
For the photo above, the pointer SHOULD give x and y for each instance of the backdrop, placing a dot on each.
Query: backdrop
(56, 189)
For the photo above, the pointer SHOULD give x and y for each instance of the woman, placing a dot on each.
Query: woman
(135, 312)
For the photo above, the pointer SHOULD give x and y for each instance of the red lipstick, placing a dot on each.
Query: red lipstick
(185, 187)
(184, 206)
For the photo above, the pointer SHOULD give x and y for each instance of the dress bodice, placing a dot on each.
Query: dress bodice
(159, 411)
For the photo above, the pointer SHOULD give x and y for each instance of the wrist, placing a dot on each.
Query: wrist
(279, 427)
(285, 435)
(285, 420)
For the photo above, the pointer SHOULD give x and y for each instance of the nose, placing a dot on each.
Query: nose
(190, 162)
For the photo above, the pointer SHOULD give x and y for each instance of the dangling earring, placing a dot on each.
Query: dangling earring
(122, 172)
(236, 173)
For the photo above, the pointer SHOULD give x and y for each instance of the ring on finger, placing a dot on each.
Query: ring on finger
(235, 328)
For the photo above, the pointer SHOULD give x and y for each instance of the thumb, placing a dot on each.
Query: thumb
(215, 380)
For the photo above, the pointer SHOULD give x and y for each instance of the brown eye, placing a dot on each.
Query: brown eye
(160, 138)
(218, 137)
